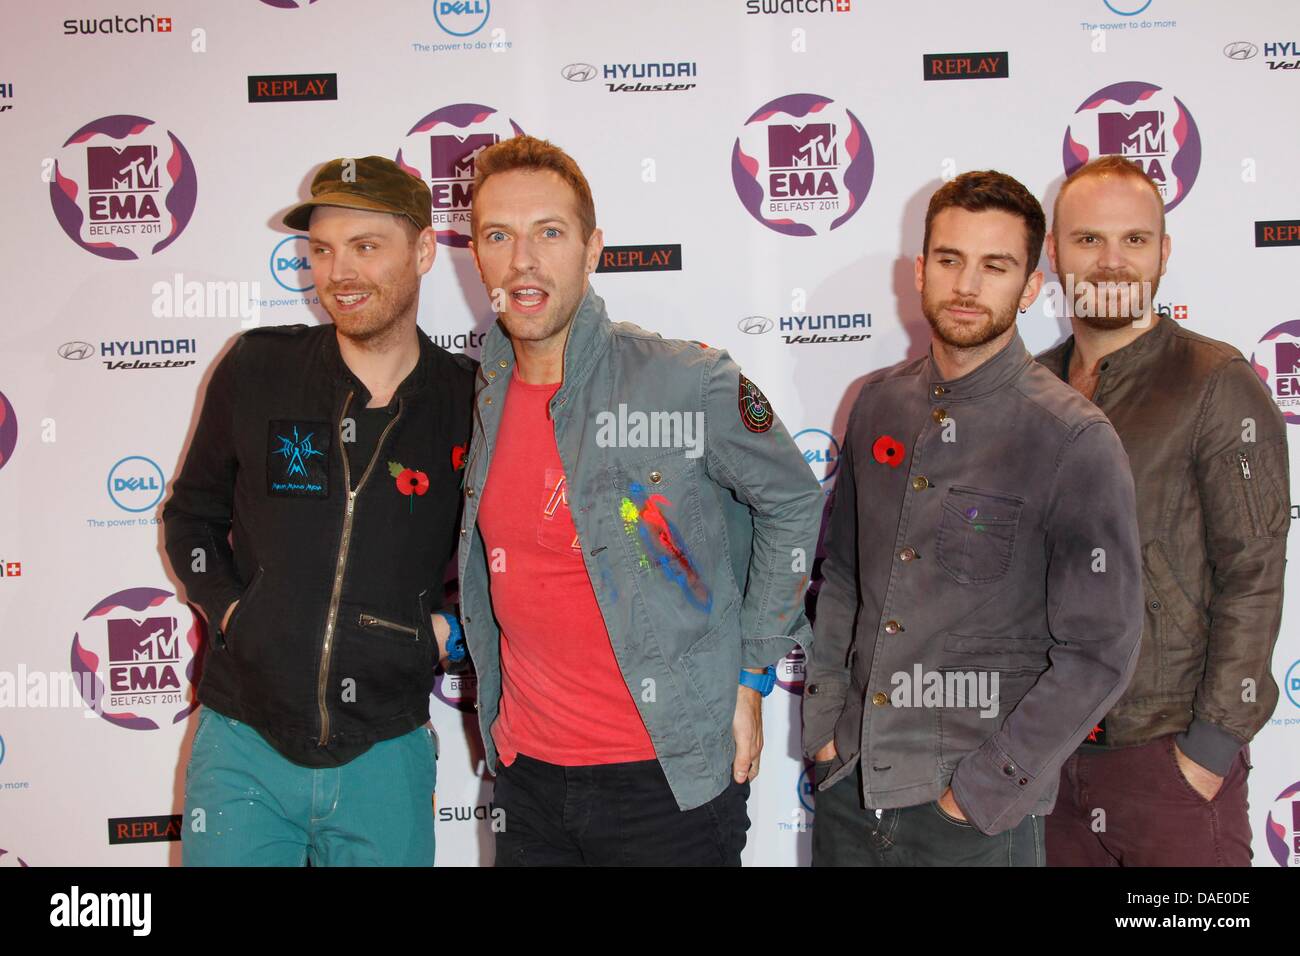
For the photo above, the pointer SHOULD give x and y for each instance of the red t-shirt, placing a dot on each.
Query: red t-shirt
(563, 697)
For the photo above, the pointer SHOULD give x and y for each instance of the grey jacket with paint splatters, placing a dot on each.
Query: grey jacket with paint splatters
(742, 508)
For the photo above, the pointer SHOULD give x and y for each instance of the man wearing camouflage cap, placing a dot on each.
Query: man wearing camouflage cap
(311, 523)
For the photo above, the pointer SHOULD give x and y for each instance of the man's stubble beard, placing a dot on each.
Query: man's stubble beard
(385, 327)
(1099, 319)
(996, 322)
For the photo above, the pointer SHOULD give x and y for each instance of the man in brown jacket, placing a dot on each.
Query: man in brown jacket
(1162, 779)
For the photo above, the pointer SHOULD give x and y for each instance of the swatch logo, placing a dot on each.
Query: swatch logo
(1277, 232)
(802, 165)
(966, 66)
(293, 87)
(658, 258)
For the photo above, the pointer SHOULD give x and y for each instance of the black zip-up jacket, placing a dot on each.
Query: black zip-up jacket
(337, 560)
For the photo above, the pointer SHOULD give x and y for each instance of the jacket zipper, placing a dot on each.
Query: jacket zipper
(369, 620)
(1245, 465)
(341, 564)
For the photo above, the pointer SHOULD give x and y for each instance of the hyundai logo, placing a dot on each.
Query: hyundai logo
(1241, 50)
(579, 72)
(755, 324)
(76, 351)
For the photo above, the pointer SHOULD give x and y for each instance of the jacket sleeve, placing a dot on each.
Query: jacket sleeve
(1242, 471)
(197, 516)
(826, 678)
(1094, 612)
(749, 452)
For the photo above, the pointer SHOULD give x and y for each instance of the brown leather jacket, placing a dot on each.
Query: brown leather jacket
(1207, 446)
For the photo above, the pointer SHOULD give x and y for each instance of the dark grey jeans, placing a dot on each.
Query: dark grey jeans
(847, 834)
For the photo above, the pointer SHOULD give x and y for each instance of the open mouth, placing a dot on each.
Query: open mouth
(351, 300)
(528, 299)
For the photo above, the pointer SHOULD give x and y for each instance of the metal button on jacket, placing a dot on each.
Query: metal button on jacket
(879, 699)
(892, 627)
(939, 414)
(907, 554)
(920, 482)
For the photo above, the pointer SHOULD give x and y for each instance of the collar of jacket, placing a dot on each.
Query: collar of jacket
(1143, 349)
(589, 336)
(340, 373)
(998, 371)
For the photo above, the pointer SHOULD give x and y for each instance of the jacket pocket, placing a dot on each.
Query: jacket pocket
(712, 667)
(657, 500)
(1191, 622)
(245, 600)
(1177, 632)
(964, 729)
(1253, 473)
(382, 667)
(977, 534)
(386, 627)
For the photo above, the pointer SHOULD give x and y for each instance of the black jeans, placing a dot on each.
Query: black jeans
(621, 814)
(847, 834)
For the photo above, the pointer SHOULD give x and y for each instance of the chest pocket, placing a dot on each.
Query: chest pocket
(658, 502)
(977, 534)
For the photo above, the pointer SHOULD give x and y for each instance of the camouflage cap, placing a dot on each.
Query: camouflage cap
(370, 182)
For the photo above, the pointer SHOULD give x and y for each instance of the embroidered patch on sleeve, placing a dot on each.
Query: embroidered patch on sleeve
(755, 409)
(298, 459)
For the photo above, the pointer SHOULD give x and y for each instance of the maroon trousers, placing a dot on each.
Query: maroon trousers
(1134, 807)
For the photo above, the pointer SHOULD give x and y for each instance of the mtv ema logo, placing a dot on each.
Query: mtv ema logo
(122, 187)
(441, 149)
(1146, 125)
(1277, 363)
(802, 165)
(137, 649)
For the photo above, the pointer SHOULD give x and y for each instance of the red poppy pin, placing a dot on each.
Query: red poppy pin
(409, 481)
(887, 451)
(458, 457)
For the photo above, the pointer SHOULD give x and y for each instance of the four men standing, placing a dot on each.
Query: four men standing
(993, 581)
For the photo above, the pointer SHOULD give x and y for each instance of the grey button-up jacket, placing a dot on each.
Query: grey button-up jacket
(983, 529)
(698, 557)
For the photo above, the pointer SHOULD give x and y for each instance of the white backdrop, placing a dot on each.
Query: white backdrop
(129, 273)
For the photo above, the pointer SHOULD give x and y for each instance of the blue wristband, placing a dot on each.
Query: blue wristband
(456, 639)
(763, 683)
